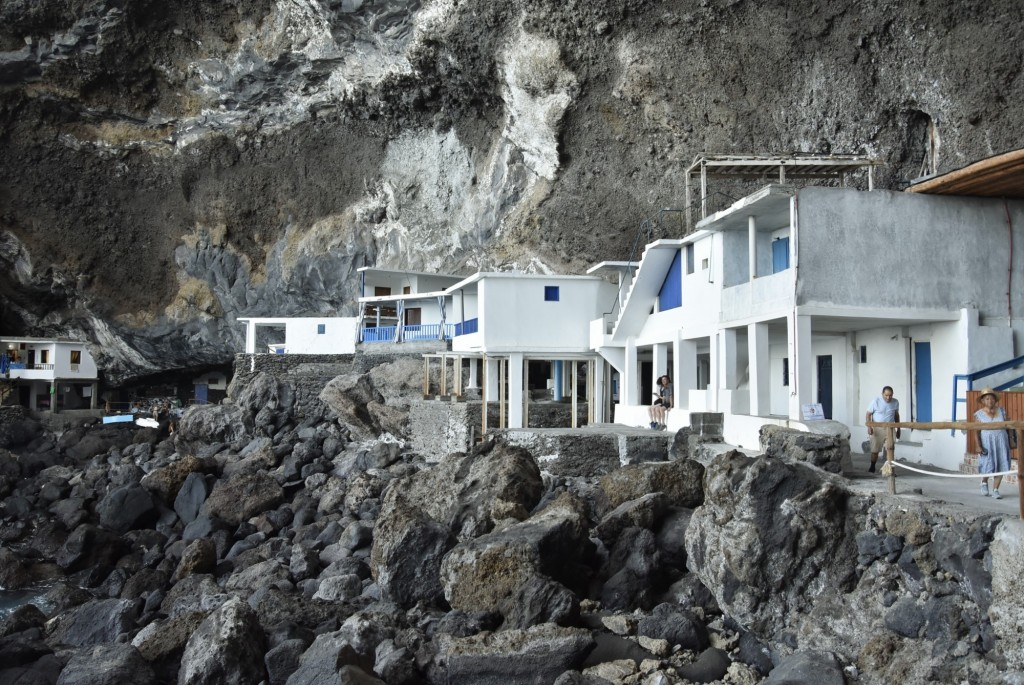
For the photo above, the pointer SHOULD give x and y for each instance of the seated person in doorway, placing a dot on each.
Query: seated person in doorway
(662, 403)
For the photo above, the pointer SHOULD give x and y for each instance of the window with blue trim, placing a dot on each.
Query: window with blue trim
(671, 294)
(551, 293)
(780, 255)
(321, 328)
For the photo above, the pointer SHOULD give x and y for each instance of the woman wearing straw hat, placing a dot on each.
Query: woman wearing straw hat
(995, 444)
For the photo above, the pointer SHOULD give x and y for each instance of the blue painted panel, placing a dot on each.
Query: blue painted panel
(923, 380)
(780, 255)
(671, 295)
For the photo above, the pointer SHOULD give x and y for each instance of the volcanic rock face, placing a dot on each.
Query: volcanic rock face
(168, 167)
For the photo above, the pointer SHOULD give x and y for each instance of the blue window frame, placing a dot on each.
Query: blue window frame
(780, 255)
(321, 328)
(551, 293)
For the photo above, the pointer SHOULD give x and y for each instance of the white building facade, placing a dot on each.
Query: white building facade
(49, 374)
(821, 297)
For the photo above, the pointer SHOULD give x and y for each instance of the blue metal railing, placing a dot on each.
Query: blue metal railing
(971, 377)
(379, 334)
(467, 327)
(427, 331)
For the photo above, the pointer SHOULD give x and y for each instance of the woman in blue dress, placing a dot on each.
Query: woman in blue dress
(995, 444)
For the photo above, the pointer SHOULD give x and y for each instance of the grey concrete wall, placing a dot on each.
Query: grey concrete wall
(904, 250)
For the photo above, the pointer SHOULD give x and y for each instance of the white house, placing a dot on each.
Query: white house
(301, 335)
(513, 330)
(790, 298)
(49, 373)
(401, 306)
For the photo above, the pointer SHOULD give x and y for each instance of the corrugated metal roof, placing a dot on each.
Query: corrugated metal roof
(998, 176)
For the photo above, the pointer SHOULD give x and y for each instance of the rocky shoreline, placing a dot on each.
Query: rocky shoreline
(291, 536)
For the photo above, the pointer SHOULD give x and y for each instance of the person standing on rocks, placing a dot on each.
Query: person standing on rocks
(995, 444)
(884, 409)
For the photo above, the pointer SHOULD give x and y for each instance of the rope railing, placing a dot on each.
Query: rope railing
(890, 442)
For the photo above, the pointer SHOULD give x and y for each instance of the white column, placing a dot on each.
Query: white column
(752, 246)
(801, 362)
(715, 355)
(492, 378)
(515, 390)
(760, 374)
(250, 337)
(629, 392)
(684, 372)
(474, 381)
(727, 359)
(600, 371)
(660, 366)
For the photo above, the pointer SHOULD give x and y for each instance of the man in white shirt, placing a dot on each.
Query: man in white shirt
(883, 409)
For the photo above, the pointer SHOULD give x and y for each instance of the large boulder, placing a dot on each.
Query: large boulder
(681, 481)
(226, 649)
(408, 547)
(210, 424)
(242, 496)
(125, 508)
(115, 664)
(350, 396)
(470, 492)
(535, 655)
(771, 536)
(17, 427)
(522, 571)
(827, 446)
(95, 622)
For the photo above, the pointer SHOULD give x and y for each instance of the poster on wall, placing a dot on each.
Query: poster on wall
(812, 412)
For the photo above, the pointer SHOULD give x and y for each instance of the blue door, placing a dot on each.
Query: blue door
(923, 380)
(201, 393)
(780, 255)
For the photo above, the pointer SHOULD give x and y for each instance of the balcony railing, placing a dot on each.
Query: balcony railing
(467, 327)
(414, 332)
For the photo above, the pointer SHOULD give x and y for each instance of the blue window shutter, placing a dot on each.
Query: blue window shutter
(671, 295)
(551, 293)
(780, 255)
(321, 328)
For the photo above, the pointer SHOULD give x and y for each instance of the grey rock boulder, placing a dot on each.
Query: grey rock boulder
(125, 508)
(535, 655)
(242, 496)
(807, 668)
(96, 622)
(210, 424)
(114, 664)
(408, 548)
(522, 571)
(226, 649)
(680, 481)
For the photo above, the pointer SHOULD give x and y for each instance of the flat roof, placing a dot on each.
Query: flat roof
(770, 206)
(1001, 175)
(612, 266)
(43, 340)
(402, 272)
(796, 165)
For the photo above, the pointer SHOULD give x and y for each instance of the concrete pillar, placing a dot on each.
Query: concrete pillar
(92, 397)
(760, 374)
(660, 366)
(515, 390)
(600, 390)
(801, 363)
(727, 359)
(474, 380)
(250, 337)
(752, 246)
(492, 378)
(715, 355)
(557, 369)
(629, 391)
(684, 371)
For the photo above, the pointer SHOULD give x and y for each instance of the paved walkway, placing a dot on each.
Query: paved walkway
(956, 491)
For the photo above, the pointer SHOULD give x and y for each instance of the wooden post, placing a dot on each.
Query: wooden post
(572, 395)
(526, 392)
(444, 375)
(1020, 477)
(890, 434)
(502, 370)
(426, 377)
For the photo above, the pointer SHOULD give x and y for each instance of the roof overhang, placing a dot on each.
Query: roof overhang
(998, 176)
(769, 207)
